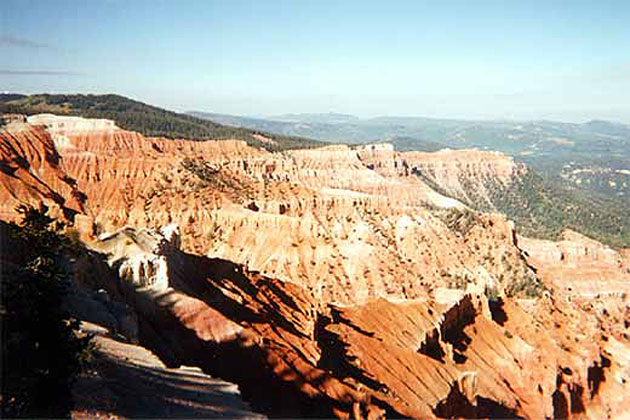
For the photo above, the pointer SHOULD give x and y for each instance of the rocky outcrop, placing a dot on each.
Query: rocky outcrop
(123, 380)
(249, 329)
(579, 266)
(31, 172)
(472, 176)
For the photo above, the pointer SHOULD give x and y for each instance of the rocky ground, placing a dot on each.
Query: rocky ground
(128, 381)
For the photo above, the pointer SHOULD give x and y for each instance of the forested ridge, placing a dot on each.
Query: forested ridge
(543, 208)
(149, 120)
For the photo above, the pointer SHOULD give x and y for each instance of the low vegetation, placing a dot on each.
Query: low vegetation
(211, 176)
(459, 220)
(525, 287)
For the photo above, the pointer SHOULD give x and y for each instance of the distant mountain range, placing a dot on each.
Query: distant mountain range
(521, 136)
(593, 156)
(323, 118)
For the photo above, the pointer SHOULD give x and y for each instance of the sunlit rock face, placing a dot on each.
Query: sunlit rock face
(32, 171)
(579, 266)
(468, 356)
(329, 219)
(346, 280)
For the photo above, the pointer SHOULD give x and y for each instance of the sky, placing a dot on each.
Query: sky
(557, 60)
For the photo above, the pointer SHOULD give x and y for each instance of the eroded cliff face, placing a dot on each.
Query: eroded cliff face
(474, 356)
(32, 172)
(579, 266)
(329, 219)
(338, 278)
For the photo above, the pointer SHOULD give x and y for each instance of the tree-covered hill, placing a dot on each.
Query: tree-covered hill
(543, 208)
(146, 119)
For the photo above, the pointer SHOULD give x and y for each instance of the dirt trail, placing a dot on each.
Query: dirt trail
(128, 381)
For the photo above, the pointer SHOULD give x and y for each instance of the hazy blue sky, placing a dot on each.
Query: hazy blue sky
(567, 60)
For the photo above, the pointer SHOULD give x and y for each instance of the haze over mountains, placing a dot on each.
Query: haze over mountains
(333, 126)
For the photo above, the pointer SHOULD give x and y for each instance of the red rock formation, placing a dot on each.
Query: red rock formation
(31, 172)
(320, 218)
(579, 266)
(476, 357)
(338, 279)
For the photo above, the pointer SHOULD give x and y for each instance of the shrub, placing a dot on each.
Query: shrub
(459, 220)
(527, 287)
(492, 293)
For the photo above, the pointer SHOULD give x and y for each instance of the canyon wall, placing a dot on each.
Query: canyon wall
(346, 280)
